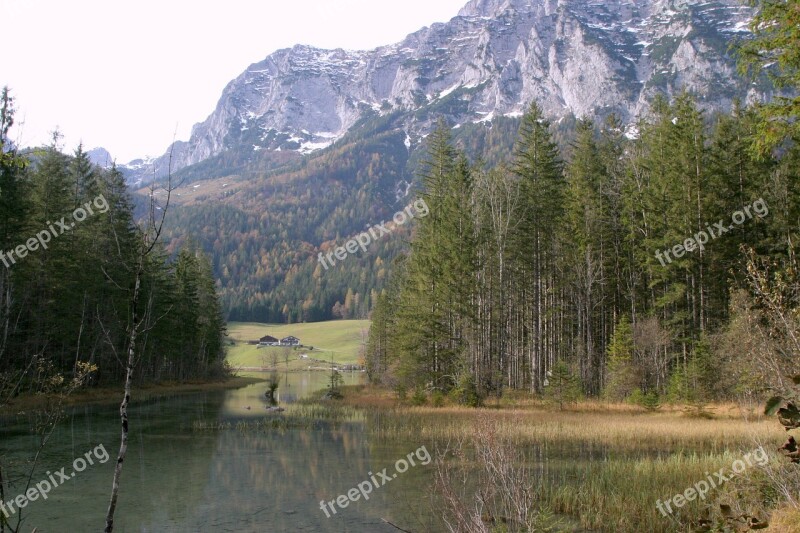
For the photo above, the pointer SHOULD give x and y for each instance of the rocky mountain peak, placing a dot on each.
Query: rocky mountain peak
(574, 57)
(494, 8)
(100, 156)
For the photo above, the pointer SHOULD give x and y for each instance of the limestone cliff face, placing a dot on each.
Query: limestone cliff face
(581, 57)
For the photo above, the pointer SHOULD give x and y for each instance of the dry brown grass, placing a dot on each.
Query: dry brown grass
(663, 431)
(369, 396)
(592, 422)
(785, 520)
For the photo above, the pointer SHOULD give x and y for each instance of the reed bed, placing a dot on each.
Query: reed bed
(296, 416)
(606, 469)
(622, 431)
(621, 495)
(602, 467)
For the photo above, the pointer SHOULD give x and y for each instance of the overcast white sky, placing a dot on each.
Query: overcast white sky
(127, 75)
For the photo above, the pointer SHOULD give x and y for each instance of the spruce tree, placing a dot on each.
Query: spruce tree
(586, 248)
(424, 319)
(538, 167)
(562, 385)
(14, 213)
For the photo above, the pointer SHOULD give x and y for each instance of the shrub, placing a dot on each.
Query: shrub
(419, 397)
(402, 392)
(636, 397)
(466, 391)
(437, 399)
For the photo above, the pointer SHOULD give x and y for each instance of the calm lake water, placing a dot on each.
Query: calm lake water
(177, 479)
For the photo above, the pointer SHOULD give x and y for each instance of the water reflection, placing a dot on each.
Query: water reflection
(179, 480)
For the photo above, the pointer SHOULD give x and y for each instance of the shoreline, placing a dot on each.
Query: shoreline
(269, 370)
(113, 395)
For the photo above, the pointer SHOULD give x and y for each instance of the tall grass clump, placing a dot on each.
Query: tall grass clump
(621, 494)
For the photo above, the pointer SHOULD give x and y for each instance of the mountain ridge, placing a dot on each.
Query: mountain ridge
(309, 146)
(492, 59)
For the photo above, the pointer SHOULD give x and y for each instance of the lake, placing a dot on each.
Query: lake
(177, 478)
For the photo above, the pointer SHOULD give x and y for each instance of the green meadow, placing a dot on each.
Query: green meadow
(336, 341)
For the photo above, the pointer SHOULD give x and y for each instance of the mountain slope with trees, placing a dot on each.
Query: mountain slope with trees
(308, 147)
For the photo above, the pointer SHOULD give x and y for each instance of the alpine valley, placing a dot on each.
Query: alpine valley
(309, 147)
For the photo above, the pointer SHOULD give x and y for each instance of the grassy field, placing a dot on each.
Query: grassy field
(338, 341)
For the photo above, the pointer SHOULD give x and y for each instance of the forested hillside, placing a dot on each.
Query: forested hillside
(264, 229)
(618, 264)
(69, 246)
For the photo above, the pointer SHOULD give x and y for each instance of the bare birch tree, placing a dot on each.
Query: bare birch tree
(149, 235)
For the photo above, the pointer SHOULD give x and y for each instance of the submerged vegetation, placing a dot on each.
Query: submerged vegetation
(297, 416)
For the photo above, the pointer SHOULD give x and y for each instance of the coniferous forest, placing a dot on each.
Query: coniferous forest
(263, 228)
(65, 305)
(552, 266)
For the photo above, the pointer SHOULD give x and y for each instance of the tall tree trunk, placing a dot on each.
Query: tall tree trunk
(123, 408)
